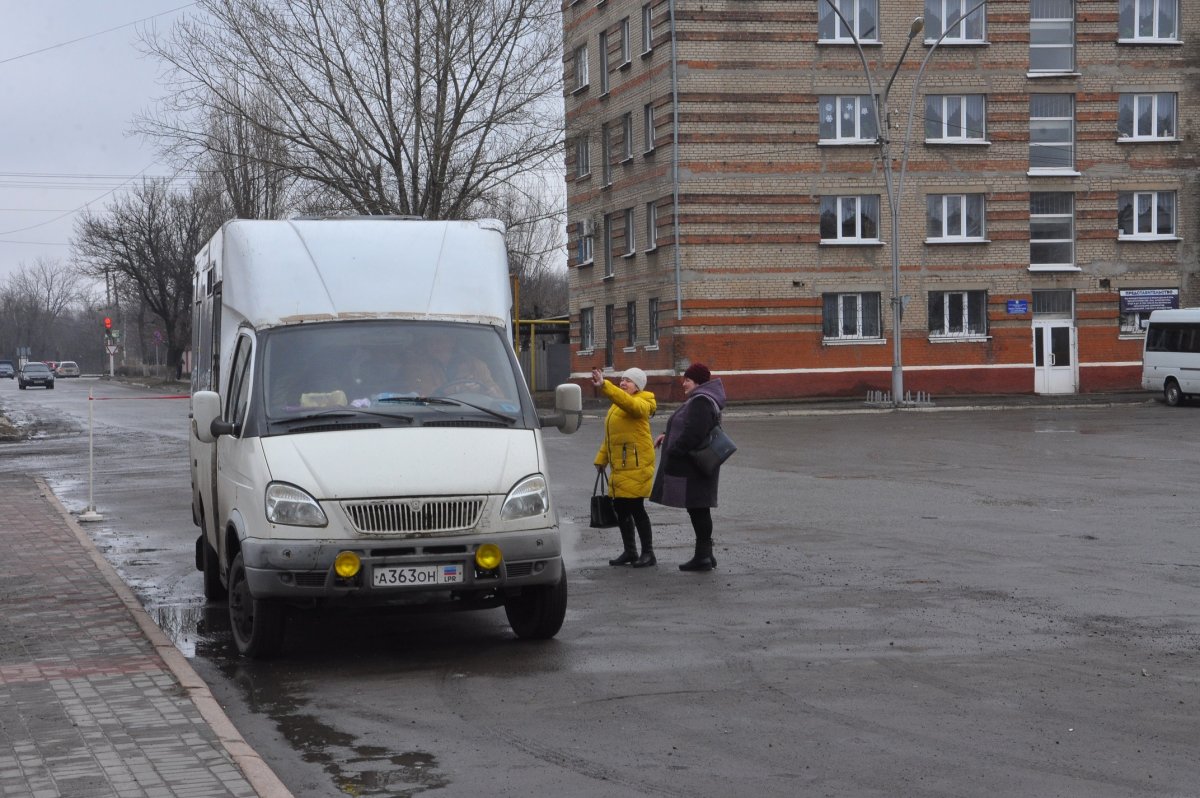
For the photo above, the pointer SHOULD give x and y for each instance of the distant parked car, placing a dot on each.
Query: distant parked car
(35, 373)
(67, 368)
(6, 369)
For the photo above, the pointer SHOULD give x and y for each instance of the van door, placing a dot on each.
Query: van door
(231, 471)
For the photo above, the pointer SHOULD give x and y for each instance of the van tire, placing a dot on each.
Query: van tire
(213, 589)
(1172, 395)
(257, 624)
(537, 613)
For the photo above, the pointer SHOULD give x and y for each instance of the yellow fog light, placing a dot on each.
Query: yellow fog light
(347, 564)
(488, 556)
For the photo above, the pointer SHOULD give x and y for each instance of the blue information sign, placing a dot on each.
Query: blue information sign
(1018, 306)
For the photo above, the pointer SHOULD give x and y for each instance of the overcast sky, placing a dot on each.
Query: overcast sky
(66, 110)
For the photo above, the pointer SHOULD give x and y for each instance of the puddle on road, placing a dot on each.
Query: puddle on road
(200, 629)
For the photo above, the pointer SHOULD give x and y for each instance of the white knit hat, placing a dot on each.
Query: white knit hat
(637, 377)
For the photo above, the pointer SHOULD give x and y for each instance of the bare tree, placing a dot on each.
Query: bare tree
(534, 217)
(34, 303)
(148, 239)
(413, 107)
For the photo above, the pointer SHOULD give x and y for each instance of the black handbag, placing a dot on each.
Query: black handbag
(604, 515)
(715, 450)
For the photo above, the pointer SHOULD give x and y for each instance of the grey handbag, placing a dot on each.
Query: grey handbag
(715, 450)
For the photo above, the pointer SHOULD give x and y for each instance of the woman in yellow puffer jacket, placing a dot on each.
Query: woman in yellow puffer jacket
(629, 450)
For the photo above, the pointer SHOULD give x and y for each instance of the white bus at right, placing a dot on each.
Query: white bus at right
(1171, 358)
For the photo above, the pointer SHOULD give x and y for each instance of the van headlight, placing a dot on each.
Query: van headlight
(287, 504)
(528, 498)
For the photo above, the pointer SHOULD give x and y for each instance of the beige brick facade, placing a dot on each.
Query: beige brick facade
(744, 285)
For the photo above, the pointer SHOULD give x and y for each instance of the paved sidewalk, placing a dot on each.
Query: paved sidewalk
(94, 700)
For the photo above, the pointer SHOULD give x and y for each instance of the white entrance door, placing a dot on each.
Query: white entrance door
(1054, 357)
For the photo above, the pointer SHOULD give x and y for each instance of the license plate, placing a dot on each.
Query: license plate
(416, 575)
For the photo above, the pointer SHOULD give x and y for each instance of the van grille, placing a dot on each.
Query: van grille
(424, 515)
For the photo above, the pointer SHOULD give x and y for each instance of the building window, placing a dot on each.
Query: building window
(630, 323)
(954, 217)
(648, 126)
(583, 164)
(1051, 132)
(1146, 116)
(605, 155)
(862, 16)
(609, 343)
(586, 242)
(947, 15)
(581, 67)
(608, 245)
(587, 329)
(1051, 36)
(957, 314)
(651, 226)
(627, 136)
(850, 219)
(630, 238)
(1146, 214)
(849, 316)
(1149, 20)
(848, 119)
(955, 117)
(603, 47)
(1051, 230)
(647, 29)
(625, 59)
(652, 320)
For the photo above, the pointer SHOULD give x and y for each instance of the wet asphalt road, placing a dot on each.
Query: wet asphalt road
(999, 603)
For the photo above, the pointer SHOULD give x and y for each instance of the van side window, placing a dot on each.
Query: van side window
(239, 382)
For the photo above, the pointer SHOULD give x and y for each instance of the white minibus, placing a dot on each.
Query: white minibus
(1171, 359)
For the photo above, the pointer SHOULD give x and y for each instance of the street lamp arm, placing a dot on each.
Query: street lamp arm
(917, 85)
(917, 25)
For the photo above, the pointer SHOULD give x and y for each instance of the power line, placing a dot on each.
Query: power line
(94, 35)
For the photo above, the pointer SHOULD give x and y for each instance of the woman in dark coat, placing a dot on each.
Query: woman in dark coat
(678, 483)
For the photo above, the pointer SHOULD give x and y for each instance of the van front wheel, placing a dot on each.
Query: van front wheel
(1172, 395)
(538, 612)
(257, 624)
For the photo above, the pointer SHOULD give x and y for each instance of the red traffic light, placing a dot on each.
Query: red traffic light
(107, 323)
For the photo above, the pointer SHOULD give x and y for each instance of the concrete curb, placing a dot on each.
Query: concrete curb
(260, 776)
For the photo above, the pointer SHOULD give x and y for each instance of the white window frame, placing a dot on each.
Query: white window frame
(608, 246)
(648, 127)
(587, 243)
(850, 209)
(938, 11)
(630, 234)
(831, 109)
(625, 48)
(581, 67)
(587, 329)
(942, 207)
(950, 112)
(652, 321)
(647, 28)
(605, 155)
(1129, 16)
(1130, 107)
(1041, 130)
(583, 162)
(627, 136)
(872, 305)
(1050, 220)
(651, 226)
(831, 30)
(602, 46)
(1153, 202)
(1064, 27)
(630, 324)
(960, 300)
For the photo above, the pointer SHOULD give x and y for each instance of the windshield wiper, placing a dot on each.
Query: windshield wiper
(340, 413)
(494, 413)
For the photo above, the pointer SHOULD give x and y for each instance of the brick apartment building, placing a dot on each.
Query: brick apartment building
(727, 202)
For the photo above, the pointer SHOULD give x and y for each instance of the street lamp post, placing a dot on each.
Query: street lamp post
(894, 190)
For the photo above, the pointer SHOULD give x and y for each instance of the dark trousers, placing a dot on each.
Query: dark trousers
(701, 522)
(632, 513)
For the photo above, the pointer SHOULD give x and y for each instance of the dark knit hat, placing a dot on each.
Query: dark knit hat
(698, 373)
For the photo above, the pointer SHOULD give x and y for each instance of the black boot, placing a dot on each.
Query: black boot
(647, 559)
(630, 555)
(702, 560)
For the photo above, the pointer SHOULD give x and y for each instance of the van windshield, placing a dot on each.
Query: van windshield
(387, 367)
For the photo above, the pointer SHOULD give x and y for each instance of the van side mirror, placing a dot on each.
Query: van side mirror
(568, 409)
(206, 408)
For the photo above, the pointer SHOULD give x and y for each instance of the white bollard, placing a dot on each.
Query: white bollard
(90, 513)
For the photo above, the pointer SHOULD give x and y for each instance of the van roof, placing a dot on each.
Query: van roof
(1175, 315)
(300, 270)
